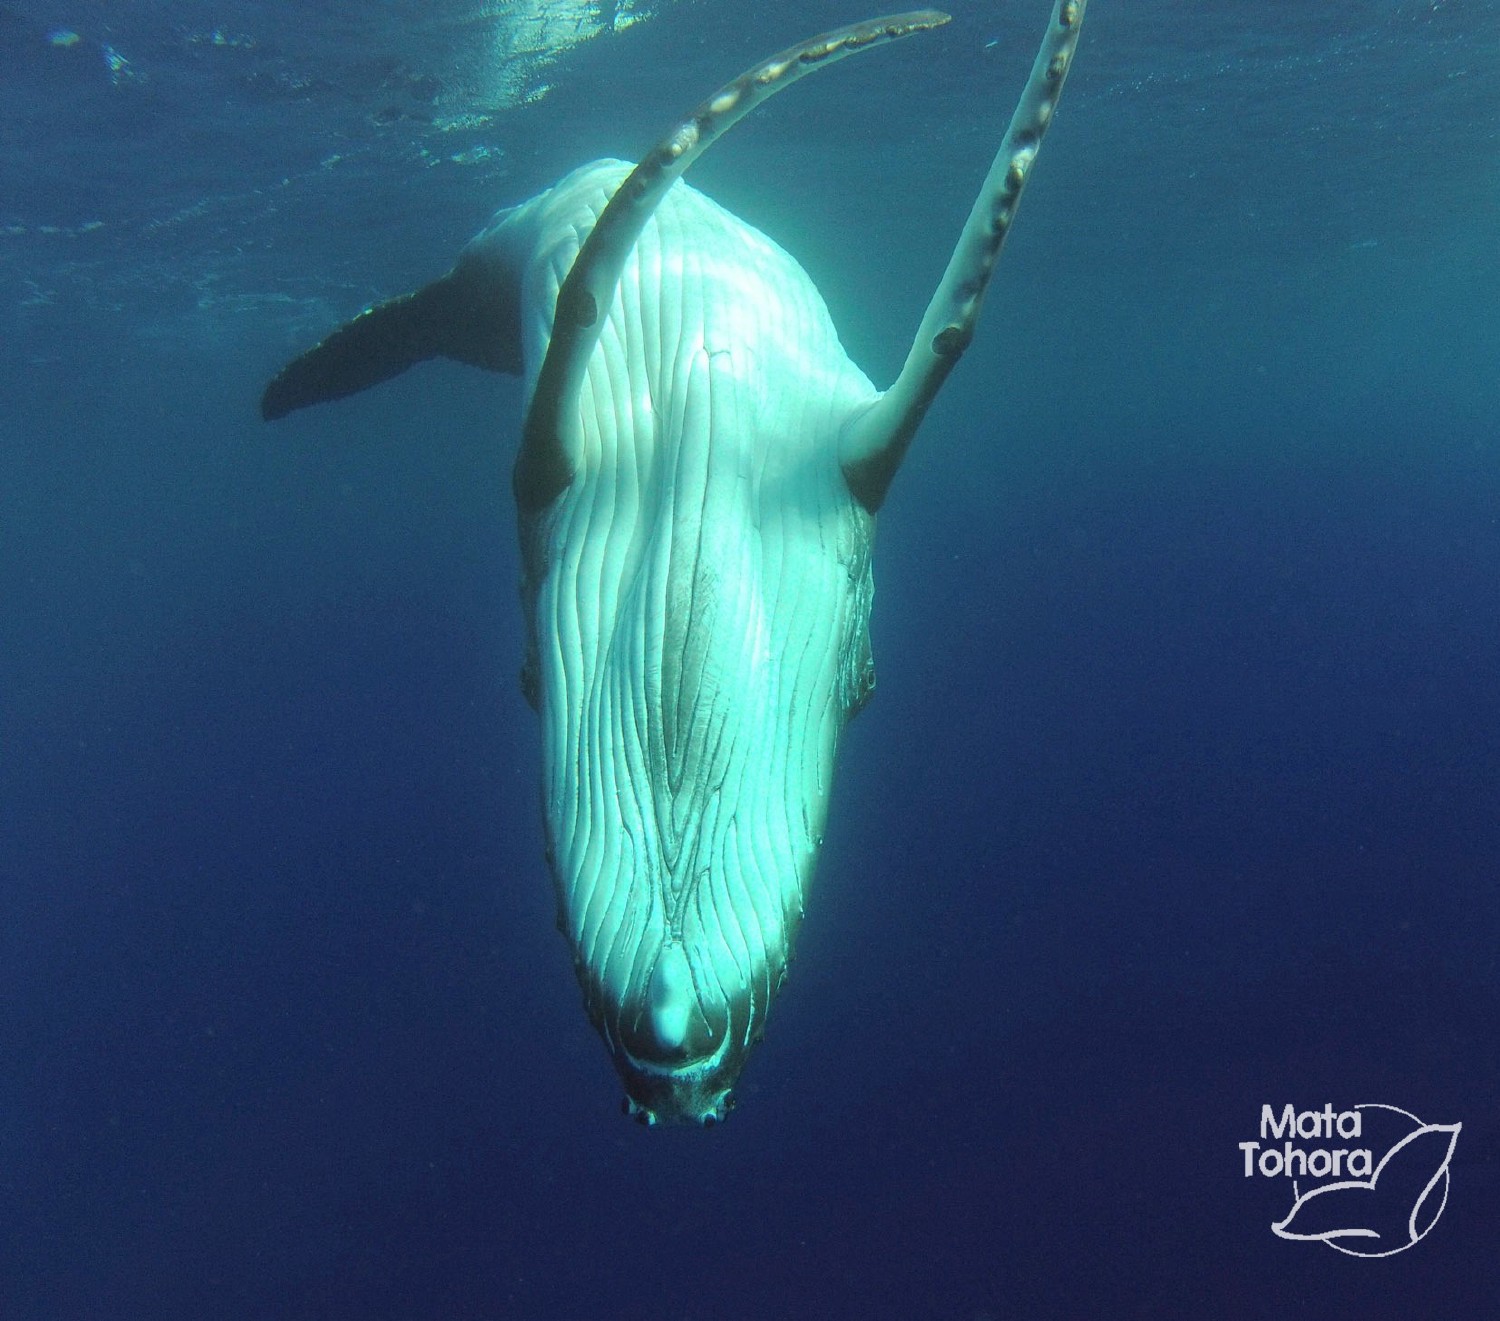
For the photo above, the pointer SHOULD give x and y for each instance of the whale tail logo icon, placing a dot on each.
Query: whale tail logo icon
(1392, 1209)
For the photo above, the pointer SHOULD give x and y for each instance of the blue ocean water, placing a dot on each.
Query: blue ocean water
(1178, 796)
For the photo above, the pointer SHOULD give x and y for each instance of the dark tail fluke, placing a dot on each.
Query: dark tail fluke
(454, 317)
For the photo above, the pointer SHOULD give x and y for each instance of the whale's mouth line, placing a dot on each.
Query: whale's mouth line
(687, 1071)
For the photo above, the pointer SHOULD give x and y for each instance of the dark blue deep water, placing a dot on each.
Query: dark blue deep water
(1180, 795)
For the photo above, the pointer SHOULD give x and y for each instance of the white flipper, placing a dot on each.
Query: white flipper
(876, 441)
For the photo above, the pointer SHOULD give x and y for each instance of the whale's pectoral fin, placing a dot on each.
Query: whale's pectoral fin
(874, 443)
(467, 315)
(544, 468)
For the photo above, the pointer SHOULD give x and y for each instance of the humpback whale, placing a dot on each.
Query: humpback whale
(697, 481)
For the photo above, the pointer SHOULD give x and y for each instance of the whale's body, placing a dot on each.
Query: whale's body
(697, 485)
(697, 602)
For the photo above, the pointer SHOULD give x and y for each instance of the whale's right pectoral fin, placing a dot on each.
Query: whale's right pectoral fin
(468, 315)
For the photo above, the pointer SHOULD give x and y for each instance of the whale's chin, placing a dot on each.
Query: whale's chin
(699, 1092)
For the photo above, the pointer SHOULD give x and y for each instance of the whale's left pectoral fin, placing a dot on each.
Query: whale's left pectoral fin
(467, 315)
(875, 442)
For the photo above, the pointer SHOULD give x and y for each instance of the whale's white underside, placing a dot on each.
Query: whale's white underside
(698, 602)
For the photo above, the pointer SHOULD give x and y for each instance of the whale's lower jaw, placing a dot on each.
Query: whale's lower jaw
(680, 1055)
(698, 1093)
